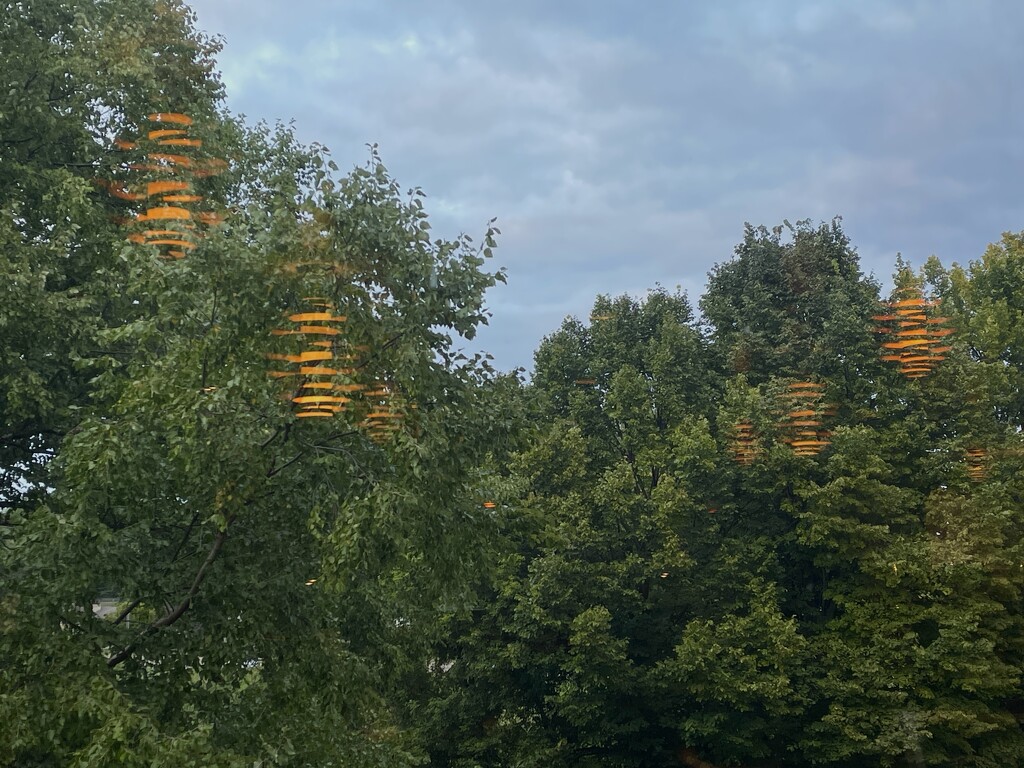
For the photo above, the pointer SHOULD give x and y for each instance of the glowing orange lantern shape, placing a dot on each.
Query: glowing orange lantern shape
(164, 191)
(181, 142)
(744, 445)
(164, 212)
(169, 241)
(323, 317)
(977, 460)
(914, 334)
(311, 396)
(164, 133)
(162, 158)
(323, 387)
(176, 118)
(801, 423)
(320, 399)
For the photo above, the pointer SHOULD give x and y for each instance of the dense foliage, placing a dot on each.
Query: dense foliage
(269, 576)
(661, 603)
(625, 563)
(74, 74)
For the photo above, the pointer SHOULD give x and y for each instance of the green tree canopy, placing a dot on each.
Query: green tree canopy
(75, 74)
(269, 575)
(782, 308)
(682, 586)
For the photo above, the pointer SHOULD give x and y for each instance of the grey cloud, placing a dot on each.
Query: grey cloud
(624, 145)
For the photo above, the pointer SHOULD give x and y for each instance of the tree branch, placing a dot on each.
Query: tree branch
(183, 606)
(272, 471)
(270, 439)
(131, 607)
(179, 610)
(185, 538)
(176, 612)
(384, 347)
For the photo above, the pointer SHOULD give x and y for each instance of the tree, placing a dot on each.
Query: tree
(579, 652)
(785, 308)
(864, 563)
(684, 583)
(271, 573)
(988, 308)
(76, 71)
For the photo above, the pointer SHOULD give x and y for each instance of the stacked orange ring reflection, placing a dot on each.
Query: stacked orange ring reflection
(323, 387)
(165, 163)
(914, 337)
(801, 425)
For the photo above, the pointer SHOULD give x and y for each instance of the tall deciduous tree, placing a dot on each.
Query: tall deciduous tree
(781, 308)
(985, 298)
(611, 634)
(74, 73)
(271, 574)
(682, 586)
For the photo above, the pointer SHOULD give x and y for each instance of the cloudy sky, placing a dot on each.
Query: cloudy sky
(624, 144)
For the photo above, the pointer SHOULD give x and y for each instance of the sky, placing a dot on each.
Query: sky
(623, 145)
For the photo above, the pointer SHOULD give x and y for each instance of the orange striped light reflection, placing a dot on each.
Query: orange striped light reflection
(913, 333)
(176, 118)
